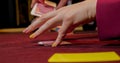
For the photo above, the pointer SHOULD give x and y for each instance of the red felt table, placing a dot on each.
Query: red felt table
(18, 48)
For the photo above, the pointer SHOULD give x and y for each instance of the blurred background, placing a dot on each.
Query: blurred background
(15, 15)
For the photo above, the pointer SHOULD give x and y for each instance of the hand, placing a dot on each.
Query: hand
(35, 1)
(72, 15)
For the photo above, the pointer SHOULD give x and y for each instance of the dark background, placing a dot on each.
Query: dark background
(8, 16)
(7, 13)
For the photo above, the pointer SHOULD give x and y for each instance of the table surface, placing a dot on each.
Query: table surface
(18, 48)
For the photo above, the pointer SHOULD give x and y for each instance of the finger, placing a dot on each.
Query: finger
(34, 25)
(61, 33)
(61, 4)
(38, 22)
(46, 26)
(26, 30)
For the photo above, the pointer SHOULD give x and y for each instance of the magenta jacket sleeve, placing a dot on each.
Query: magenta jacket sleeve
(108, 19)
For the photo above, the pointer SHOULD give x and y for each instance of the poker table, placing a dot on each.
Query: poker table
(19, 48)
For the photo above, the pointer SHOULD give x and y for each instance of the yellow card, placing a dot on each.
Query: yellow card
(84, 57)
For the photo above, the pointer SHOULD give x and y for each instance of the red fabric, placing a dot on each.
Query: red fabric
(108, 19)
(18, 48)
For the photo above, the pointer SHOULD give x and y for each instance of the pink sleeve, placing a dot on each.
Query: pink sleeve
(108, 19)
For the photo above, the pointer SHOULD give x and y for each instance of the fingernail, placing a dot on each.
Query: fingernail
(54, 45)
(31, 36)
